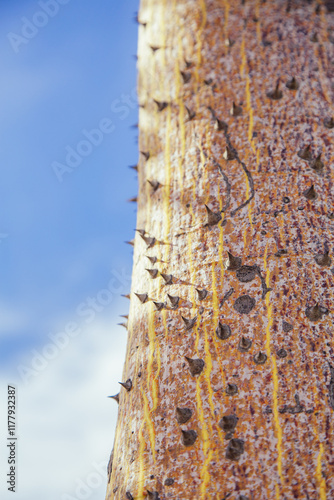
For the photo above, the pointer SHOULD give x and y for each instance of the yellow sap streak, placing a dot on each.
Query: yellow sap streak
(142, 443)
(320, 478)
(243, 69)
(227, 8)
(243, 57)
(215, 306)
(180, 103)
(205, 476)
(168, 179)
(202, 158)
(279, 433)
(199, 43)
(149, 424)
(281, 227)
(191, 266)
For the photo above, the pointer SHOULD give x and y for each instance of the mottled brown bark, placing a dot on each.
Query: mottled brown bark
(230, 348)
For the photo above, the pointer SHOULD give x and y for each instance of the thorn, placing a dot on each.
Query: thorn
(228, 154)
(127, 385)
(228, 423)
(213, 113)
(115, 397)
(150, 241)
(186, 76)
(310, 193)
(315, 313)
(123, 324)
(190, 323)
(208, 81)
(292, 84)
(231, 389)
(323, 259)
(305, 153)
(183, 415)
(317, 164)
(281, 353)
(155, 185)
(128, 496)
(124, 316)
(126, 296)
(142, 232)
(139, 22)
(168, 278)
(146, 154)
(235, 110)
(232, 263)
(202, 294)
(213, 217)
(153, 495)
(134, 167)
(153, 260)
(188, 437)
(154, 48)
(142, 297)
(329, 122)
(260, 358)
(220, 125)
(153, 273)
(223, 332)
(131, 242)
(159, 305)
(228, 42)
(174, 301)
(275, 94)
(188, 64)
(195, 365)
(191, 114)
(133, 200)
(244, 344)
(161, 105)
(235, 449)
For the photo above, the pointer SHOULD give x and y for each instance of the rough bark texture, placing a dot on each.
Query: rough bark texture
(255, 416)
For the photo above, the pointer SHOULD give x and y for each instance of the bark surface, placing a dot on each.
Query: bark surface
(236, 107)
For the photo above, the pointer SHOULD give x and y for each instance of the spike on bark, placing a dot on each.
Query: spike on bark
(189, 323)
(275, 94)
(235, 110)
(127, 385)
(188, 437)
(212, 217)
(195, 365)
(115, 397)
(305, 153)
(142, 297)
(168, 278)
(174, 301)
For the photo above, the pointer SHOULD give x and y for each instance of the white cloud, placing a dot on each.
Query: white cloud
(65, 422)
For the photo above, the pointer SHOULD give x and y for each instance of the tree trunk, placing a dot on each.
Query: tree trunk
(229, 365)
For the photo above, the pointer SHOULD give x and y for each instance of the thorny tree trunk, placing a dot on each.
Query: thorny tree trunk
(230, 349)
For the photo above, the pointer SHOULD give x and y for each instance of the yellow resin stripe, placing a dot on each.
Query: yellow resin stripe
(279, 433)
(320, 479)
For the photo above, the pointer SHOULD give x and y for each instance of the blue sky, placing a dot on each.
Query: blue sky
(67, 94)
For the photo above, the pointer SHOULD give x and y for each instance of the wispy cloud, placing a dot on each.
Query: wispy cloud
(65, 420)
